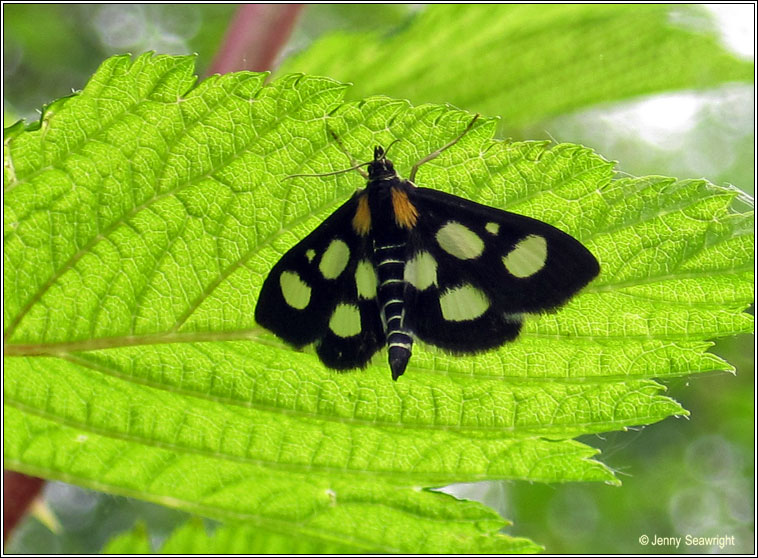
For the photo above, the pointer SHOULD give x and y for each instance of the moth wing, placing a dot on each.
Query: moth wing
(321, 291)
(474, 270)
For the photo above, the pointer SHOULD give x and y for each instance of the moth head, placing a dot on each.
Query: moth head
(381, 167)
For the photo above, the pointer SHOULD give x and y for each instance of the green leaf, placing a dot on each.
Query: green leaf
(140, 219)
(135, 541)
(527, 63)
(194, 538)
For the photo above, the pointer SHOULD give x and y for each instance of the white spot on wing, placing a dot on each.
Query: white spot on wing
(460, 241)
(527, 257)
(365, 279)
(296, 293)
(492, 228)
(346, 320)
(334, 260)
(463, 303)
(310, 254)
(421, 271)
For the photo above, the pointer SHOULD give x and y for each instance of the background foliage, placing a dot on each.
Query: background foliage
(564, 524)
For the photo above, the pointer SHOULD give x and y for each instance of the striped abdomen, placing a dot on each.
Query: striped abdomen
(390, 264)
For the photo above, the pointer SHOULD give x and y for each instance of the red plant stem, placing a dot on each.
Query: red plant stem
(19, 491)
(255, 37)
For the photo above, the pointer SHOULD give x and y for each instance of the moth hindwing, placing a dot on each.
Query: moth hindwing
(397, 263)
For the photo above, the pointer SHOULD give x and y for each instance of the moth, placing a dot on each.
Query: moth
(397, 263)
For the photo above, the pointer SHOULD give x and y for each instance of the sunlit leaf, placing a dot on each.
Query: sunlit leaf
(141, 217)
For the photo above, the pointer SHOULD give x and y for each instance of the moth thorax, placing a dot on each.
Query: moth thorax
(381, 168)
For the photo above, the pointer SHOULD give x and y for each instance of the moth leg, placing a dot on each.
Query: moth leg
(355, 165)
(436, 154)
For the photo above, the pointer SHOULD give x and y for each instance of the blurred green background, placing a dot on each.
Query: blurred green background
(688, 476)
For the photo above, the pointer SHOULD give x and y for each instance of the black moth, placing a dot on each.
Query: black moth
(397, 263)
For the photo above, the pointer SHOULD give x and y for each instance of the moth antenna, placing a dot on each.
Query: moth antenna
(390, 145)
(356, 167)
(435, 154)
